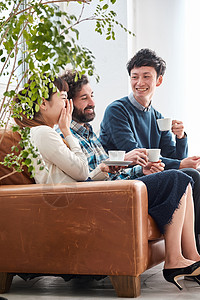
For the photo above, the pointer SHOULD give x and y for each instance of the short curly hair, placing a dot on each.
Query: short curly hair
(147, 57)
(75, 82)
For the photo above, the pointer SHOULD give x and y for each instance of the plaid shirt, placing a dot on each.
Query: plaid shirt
(90, 144)
(95, 152)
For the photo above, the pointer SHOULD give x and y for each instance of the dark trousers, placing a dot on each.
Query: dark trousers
(196, 196)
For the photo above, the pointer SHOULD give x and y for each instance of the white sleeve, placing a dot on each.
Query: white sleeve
(52, 148)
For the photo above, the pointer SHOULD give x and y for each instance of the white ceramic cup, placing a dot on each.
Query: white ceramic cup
(164, 124)
(153, 155)
(116, 155)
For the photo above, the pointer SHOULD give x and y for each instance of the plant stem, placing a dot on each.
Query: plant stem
(12, 14)
(50, 2)
(7, 175)
(9, 79)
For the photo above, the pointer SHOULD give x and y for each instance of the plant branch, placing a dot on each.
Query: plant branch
(92, 18)
(82, 9)
(12, 14)
(10, 76)
(4, 130)
(16, 89)
(16, 50)
(54, 1)
(7, 175)
(19, 36)
(3, 114)
(50, 2)
(6, 125)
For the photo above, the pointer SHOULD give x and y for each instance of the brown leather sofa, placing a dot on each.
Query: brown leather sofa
(91, 228)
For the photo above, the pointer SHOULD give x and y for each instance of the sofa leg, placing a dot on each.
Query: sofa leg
(126, 286)
(5, 282)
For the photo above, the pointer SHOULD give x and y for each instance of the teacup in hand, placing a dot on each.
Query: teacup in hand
(153, 155)
(164, 124)
(115, 155)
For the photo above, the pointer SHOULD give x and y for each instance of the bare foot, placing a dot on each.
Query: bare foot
(179, 263)
(193, 257)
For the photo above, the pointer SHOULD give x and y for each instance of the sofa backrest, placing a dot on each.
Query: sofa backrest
(11, 138)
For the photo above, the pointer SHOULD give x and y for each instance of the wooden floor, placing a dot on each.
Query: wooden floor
(51, 288)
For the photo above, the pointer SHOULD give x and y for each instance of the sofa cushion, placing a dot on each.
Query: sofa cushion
(7, 140)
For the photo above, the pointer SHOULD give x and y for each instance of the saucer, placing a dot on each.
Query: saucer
(117, 163)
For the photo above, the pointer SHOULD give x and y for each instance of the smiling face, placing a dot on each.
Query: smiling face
(143, 83)
(51, 110)
(84, 105)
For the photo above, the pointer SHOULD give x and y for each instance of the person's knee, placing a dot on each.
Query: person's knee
(192, 173)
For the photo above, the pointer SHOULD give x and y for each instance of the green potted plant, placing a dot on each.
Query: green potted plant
(38, 40)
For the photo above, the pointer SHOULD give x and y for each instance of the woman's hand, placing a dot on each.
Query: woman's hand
(153, 167)
(66, 117)
(137, 156)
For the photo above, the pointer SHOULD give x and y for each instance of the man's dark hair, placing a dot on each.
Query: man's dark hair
(147, 57)
(75, 82)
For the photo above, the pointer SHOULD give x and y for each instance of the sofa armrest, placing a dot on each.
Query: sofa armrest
(74, 228)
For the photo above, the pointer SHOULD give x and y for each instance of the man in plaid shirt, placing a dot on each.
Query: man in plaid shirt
(90, 144)
(81, 94)
(95, 153)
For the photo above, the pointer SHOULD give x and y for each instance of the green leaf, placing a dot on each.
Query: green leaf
(20, 62)
(25, 154)
(15, 128)
(105, 6)
(30, 169)
(37, 107)
(31, 65)
(23, 91)
(30, 94)
(27, 161)
(46, 67)
(32, 85)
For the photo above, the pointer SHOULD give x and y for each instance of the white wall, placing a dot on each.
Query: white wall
(160, 25)
(192, 66)
(171, 28)
(111, 59)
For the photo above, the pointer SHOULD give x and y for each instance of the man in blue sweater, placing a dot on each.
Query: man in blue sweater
(130, 122)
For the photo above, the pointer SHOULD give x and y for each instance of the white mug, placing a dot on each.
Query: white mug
(153, 155)
(164, 124)
(115, 155)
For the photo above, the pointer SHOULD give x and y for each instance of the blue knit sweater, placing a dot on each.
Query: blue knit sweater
(125, 127)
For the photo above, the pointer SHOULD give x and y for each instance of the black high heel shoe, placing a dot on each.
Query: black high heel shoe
(196, 278)
(172, 275)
